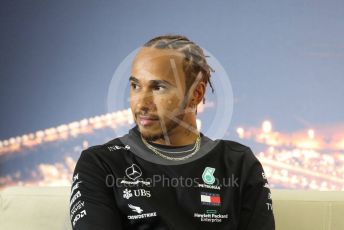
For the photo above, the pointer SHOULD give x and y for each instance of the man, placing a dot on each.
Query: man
(165, 174)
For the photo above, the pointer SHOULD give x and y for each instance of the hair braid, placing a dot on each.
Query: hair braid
(194, 61)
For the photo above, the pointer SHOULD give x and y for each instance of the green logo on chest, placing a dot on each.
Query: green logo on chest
(208, 176)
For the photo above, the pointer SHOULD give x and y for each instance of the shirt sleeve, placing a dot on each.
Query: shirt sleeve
(92, 203)
(256, 209)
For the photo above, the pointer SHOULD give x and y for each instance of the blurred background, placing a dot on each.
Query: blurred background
(284, 60)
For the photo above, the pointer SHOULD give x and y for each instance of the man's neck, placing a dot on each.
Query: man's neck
(179, 136)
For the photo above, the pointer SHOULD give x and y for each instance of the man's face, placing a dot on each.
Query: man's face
(157, 92)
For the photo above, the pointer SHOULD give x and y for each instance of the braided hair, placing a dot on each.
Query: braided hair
(194, 60)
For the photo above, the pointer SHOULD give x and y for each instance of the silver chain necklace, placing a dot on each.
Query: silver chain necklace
(156, 151)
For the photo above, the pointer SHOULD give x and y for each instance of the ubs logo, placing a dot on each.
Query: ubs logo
(127, 193)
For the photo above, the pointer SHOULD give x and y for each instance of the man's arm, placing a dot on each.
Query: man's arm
(256, 209)
(92, 205)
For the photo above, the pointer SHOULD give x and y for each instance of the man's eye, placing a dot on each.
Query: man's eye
(160, 87)
(133, 85)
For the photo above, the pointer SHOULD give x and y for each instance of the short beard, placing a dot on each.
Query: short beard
(169, 127)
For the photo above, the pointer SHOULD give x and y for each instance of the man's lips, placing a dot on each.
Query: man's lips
(148, 117)
(147, 120)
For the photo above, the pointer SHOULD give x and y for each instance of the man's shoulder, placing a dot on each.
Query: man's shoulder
(236, 146)
(239, 150)
(114, 145)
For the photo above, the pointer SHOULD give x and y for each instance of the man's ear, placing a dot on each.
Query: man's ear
(197, 88)
(199, 92)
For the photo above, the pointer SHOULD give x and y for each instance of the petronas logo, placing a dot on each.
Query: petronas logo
(208, 176)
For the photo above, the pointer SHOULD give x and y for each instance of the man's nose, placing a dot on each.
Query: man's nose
(145, 100)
